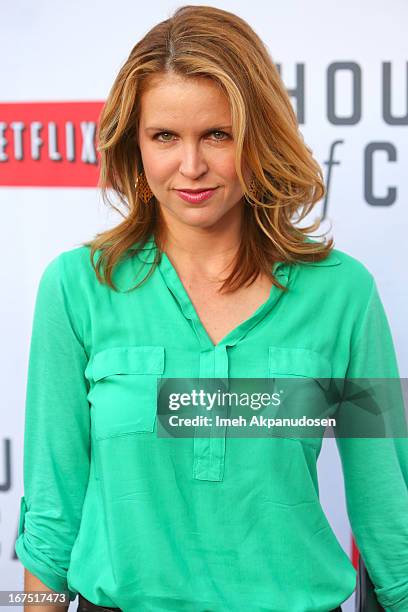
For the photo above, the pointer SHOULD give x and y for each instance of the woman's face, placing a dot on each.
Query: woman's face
(185, 140)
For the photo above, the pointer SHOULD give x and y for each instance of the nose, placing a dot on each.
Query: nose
(193, 163)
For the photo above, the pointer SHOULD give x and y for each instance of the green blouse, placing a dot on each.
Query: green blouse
(149, 523)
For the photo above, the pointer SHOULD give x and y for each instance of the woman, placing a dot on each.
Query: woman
(213, 285)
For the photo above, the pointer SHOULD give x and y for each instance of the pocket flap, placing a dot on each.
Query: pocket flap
(300, 362)
(128, 360)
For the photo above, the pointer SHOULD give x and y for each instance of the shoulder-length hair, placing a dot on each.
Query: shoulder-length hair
(204, 41)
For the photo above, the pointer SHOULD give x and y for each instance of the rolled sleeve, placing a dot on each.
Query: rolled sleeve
(56, 436)
(376, 469)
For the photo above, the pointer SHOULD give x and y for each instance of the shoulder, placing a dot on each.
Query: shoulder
(67, 287)
(341, 273)
(76, 261)
(343, 264)
(69, 270)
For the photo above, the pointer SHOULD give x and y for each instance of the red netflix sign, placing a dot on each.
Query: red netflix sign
(49, 144)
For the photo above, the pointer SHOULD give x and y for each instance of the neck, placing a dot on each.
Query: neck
(202, 250)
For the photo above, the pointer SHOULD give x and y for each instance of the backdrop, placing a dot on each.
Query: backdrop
(345, 68)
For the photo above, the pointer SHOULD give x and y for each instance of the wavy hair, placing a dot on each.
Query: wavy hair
(204, 41)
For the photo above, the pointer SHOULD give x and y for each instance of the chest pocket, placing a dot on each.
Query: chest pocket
(123, 397)
(308, 393)
(301, 363)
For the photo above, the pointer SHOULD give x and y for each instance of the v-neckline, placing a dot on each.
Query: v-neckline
(172, 280)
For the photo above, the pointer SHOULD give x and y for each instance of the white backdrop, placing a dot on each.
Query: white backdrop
(53, 51)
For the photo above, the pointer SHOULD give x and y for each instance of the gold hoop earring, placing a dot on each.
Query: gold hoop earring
(143, 189)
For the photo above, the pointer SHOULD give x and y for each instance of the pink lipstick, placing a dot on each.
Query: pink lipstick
(196, 196)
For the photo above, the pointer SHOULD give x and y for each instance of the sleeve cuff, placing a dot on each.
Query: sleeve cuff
(394, 599)
(36, 563)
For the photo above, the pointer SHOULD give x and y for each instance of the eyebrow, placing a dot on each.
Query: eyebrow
(211, 129)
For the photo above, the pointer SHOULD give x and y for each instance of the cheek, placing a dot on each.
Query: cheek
(152, 160)
(157, 167)
(224, 166)
(232, 180)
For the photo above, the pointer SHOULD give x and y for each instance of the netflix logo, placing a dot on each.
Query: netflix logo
(49, 144)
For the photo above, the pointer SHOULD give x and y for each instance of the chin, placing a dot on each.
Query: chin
(199, 218)
(204, 216)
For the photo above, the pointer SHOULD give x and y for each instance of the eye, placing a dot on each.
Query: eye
(156, 136)
(160, 134)
(220, 132)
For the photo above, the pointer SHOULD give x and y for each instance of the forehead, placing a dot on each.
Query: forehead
(182, 100)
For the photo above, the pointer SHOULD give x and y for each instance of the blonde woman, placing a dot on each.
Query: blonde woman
(206, 277)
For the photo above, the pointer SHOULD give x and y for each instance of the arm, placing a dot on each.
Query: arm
(56, 437)
(31, 583)
(376, 470)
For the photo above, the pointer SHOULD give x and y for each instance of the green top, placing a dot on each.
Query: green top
(147, 523)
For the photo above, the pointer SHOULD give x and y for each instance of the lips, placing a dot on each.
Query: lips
(195, 196)
(196, 190)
